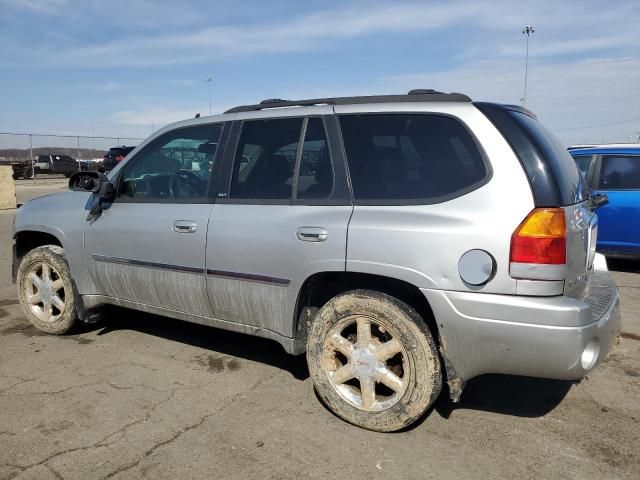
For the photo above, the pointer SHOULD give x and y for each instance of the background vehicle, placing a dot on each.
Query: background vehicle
(614, 171)
(114, 156)
(56, 164)
(400, 241)
(21, 168)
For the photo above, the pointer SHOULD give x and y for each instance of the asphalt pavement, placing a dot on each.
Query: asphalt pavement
(145, 396)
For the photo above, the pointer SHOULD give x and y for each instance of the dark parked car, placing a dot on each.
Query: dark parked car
(56, 164)
(114, 156)
(615, 172)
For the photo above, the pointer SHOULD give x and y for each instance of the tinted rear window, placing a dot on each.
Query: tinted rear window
(553, 175)
(556, 156)
(620, 172)
(415, 158)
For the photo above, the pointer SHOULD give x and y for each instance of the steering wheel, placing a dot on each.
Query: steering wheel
(185, 184)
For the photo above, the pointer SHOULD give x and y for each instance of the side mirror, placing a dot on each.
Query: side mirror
(107, 190)
(598, 200)
(95, 182)
(87, 181)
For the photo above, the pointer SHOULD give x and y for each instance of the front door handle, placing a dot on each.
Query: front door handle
(184, 226)
(312, 234)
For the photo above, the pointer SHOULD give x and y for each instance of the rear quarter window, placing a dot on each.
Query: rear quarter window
(553, 175)
(410, 158)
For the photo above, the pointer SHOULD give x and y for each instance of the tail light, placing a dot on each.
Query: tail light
(539, 246)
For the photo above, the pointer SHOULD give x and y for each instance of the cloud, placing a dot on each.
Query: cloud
(154, 115)
(571, 98)
(318, 30)
(38, 6)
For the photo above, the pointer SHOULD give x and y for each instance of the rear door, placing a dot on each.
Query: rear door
(618, 176)
(280, 217)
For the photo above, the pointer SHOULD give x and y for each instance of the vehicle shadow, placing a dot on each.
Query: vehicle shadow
(502, 394)
(623, 265)
(221, 341)
(507, 395)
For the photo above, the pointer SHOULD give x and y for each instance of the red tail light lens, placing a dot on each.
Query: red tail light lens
(541, 238)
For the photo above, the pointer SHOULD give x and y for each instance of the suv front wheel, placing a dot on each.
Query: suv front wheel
(373, 360)
(46, 290)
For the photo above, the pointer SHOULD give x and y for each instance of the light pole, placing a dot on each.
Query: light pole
(209, 80)
(528, 31)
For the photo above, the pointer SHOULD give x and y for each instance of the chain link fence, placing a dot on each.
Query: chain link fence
(23, 147)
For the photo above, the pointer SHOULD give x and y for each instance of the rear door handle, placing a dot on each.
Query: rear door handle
(184, 226)
(312, 234)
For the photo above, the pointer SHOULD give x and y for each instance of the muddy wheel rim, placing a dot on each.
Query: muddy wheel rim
(45, 292)
(365, 363)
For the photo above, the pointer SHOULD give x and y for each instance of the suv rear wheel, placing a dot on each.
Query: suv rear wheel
(46, 290)
(373, 361)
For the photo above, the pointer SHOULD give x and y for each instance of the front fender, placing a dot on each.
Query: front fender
(63, 216)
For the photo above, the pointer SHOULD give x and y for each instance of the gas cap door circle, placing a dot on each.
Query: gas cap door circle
(476, 267)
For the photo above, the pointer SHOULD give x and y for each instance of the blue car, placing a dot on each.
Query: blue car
(615, 172)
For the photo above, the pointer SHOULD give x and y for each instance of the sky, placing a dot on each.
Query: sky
(124, 68)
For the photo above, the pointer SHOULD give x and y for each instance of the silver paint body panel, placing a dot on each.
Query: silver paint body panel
(541, 337)
(144, 232)
(262, 239)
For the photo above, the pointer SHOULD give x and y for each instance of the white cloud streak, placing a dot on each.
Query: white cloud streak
(565, 96)
(496, 20)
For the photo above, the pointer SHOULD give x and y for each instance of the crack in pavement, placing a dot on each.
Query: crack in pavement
(101, 382)
(15, 385)
(55, 472)
(104, 442)
(55, 392)
(181, 432)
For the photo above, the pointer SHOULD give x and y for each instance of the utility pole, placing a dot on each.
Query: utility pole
(528, 31)
(33, 173)
(209, 80)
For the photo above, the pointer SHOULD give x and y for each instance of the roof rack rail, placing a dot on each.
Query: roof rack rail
(417, 95)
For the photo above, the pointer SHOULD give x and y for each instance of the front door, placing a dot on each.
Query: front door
(148, 247)
(619, 179)
(283, 219)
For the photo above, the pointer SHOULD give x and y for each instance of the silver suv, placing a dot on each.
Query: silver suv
(400, 241)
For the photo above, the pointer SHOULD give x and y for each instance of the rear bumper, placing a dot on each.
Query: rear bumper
(550, 337)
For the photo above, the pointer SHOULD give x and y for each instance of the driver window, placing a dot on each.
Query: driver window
(175, 166)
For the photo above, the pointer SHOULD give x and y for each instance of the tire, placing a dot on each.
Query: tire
(46, 290)
(398, 342)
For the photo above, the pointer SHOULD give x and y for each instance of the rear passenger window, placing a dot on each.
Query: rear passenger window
(414, 157)
(265, 159)
(315, 180)
(583, 162)
(620, 172)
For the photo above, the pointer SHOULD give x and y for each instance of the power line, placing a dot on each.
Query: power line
(621, 122)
